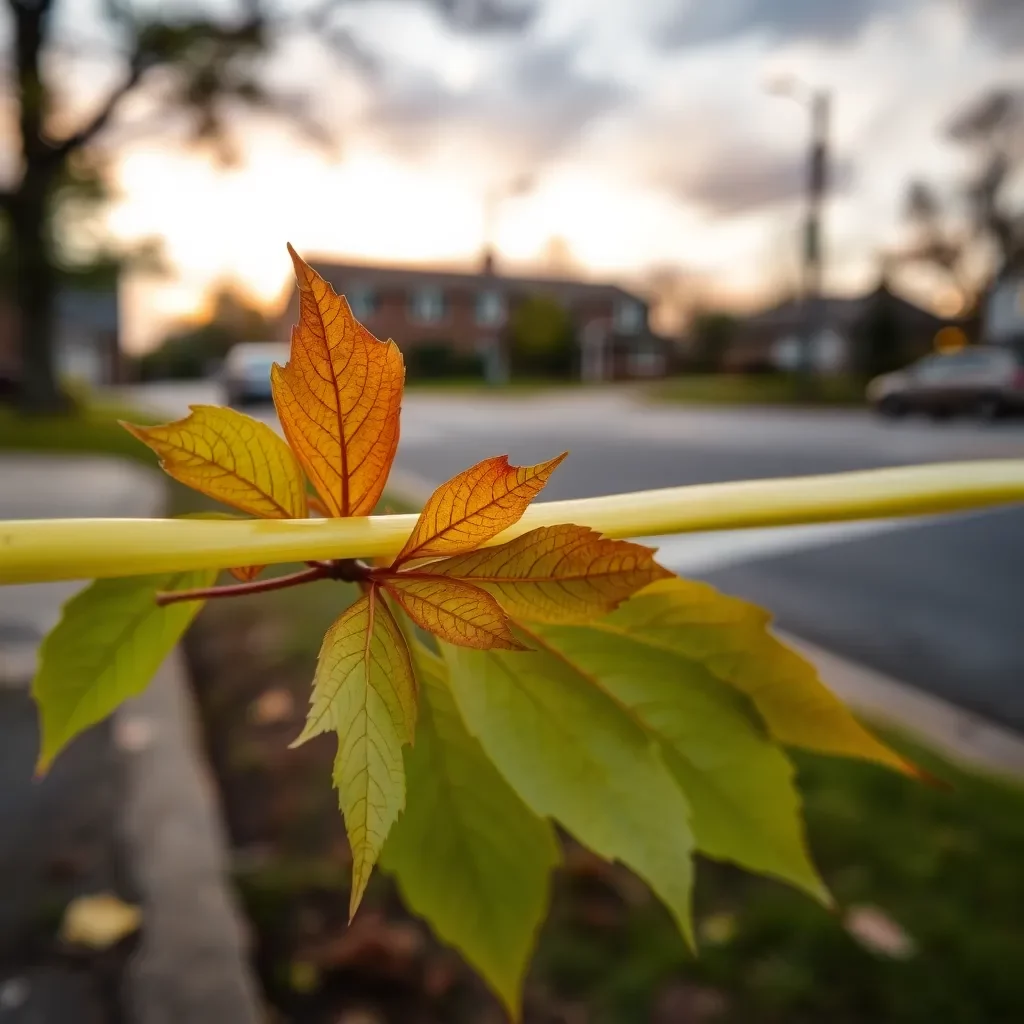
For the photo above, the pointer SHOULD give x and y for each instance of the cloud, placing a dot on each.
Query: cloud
(1001, 22)
(736, 177)
(486, 15)
(531, 103)
(699, 22)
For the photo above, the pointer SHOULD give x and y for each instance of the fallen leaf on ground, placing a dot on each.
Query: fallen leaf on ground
(99, 921)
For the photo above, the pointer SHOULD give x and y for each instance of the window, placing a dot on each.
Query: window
(490, 308)
(427, 305)
(629, 317)
(363, 301)
(939, 368)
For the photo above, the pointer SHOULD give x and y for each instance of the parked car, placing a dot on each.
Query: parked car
(983, 381)
(245, 373)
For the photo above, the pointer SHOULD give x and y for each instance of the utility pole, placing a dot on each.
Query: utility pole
(813, 257)
(812, 304)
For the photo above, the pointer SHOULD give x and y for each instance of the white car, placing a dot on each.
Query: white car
(246, 371)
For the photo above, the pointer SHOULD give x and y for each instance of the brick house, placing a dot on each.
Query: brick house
(87, 329)
(470, 313)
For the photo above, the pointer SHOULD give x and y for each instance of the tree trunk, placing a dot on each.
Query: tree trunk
(28, 210)
(35, 294)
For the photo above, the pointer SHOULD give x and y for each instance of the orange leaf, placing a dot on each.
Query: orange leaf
(455, 611)
(230, 457)
(557, 573)
(246, 573)
(474, 506)
(338, 398)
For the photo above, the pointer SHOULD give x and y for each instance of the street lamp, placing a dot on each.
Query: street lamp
(819, 103)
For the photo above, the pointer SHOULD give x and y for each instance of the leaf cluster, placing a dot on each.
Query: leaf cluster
(481, 692)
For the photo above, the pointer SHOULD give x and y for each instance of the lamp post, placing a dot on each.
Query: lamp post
(819, 104)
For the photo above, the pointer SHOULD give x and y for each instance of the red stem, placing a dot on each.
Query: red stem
(317, 572)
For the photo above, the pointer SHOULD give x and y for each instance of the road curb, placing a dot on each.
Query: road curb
(960, 735)
(192, 962)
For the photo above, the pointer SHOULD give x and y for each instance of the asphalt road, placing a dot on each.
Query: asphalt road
(936, 603)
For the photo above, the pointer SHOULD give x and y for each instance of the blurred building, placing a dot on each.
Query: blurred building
(87, 337)
(1004, 308)
(469, 314)
(863, 334)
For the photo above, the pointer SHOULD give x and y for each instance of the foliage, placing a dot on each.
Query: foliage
(89, 427)
(542, 338)
(196, 68)
(431, 361)
(711, 334)
(645, 714)
(83, 259)
(879, 339)
(757, 389)
(112, 639)
(942, 863)
(451, 874)
(190, 351)
(979, 230)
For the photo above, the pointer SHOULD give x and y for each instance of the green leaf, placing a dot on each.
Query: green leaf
(111, 639)
(365, 690)
(574, 754)
(728, 640)
(468, 855)
(744, 805)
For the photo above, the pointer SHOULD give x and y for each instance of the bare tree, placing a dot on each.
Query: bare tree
(189, 61)
(972, 238)
(993, 127)
(210, 63)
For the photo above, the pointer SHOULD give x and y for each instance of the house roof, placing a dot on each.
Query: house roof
(343, 275)
(843, 312)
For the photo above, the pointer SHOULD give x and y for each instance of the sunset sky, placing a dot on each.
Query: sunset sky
(645, 125)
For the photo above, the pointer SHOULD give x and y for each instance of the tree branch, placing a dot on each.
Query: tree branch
(62, 149)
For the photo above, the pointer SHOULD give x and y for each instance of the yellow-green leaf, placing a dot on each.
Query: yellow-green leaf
(740, 785)
(232, 458)
(557, 573)
(468, 854)
(576, 755)
(111, 639)
(474, 506)
(729, 640)
(365, 690)
(455, 611)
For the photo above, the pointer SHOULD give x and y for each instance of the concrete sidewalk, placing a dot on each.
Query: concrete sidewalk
(128, 809)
